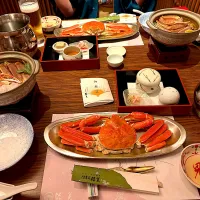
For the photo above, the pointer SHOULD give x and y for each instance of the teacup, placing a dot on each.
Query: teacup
(72, 53)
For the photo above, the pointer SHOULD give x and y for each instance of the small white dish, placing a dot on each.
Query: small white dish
(115, 60)
(72, 53)
(190, 163)
(84, 45)
(16, 137)
(136, 97)
(59, 49)
(116, 50)
(127, 18)
(49, 23)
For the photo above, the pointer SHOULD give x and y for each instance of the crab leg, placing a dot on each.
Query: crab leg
(155, 147)
(84, 149)
(63, 141)
(161, 130)
(143, 124)
(70, 124)
(167, 134)
(76, 141)
(150, 132)
(138, 116)
(72, 139)
(91, 130)
(77, 133)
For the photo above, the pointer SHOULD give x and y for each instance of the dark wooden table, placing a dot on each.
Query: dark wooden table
(60, 93)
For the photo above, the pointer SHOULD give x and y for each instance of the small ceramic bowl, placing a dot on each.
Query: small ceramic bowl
(49, 23)
(115, 60)
(116, 50)
(190, 163)
(127, 18)
(72, 53)
(59, 46)
(135, 97)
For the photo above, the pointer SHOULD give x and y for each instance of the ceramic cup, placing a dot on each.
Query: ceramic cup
(72, 53)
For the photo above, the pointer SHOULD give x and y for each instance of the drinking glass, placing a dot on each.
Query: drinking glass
(31, 8)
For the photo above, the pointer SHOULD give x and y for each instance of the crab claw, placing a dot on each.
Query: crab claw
(155, 147)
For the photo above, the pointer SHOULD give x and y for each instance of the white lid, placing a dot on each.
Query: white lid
(148, 77)
(116, 50)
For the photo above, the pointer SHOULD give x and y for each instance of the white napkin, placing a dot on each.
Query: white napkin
(95, 92)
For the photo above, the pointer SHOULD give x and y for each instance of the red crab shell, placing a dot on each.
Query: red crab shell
(116, 134)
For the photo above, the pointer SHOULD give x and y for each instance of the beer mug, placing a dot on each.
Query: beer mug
(31, 8)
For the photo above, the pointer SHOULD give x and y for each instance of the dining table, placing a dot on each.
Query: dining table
(60, 93)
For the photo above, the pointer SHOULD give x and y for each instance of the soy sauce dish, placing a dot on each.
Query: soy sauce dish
(115, 60)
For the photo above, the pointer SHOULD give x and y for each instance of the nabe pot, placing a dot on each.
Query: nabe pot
(18, 93)
(169, 38)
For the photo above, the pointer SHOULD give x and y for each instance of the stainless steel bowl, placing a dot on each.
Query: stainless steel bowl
(16, 34)
(18, 93)
(173, 39)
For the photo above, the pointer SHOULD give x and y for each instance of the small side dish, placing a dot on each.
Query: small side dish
(72, 53)
(148, 80)
(49, 23)
(190, 163)
(13, 74)
(59, 46)
(115, 60)
(83, 45)
(116, 50)
(133, 97)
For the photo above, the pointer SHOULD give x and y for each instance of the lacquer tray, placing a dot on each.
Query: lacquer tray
(57, 33)
(169, 77)
(53, 140)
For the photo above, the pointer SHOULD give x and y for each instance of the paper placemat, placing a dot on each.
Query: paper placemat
(131, 41)
(57, 184)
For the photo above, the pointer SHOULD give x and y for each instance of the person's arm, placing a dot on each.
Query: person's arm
(65, 7)
(140, 2)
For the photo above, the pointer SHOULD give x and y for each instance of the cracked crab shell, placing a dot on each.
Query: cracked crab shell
(116, 134)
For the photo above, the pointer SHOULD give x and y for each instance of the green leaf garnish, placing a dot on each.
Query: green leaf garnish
(27, 69)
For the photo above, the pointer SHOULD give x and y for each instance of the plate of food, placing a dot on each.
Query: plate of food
(114, 136)
(105, 31)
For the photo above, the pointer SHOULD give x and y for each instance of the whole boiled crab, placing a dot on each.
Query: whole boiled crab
(116, 135)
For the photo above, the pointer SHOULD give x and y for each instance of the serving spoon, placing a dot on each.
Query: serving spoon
(7, 190)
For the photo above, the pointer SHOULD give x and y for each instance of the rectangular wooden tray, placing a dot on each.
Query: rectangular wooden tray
(169, 77)
(49, 59)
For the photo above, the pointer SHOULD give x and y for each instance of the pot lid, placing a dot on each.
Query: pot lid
(148, 77)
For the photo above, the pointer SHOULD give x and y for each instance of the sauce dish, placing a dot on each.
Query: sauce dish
(115, 60)
(72, 53)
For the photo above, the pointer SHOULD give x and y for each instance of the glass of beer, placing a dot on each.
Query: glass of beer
(31, 8)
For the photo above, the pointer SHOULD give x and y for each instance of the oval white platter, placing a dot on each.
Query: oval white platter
(53, 140)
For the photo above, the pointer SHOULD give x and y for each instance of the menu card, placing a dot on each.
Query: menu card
(57, 184)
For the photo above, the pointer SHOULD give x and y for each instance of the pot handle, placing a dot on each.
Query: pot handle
(137, 11)
(37, 66)
(151, 25)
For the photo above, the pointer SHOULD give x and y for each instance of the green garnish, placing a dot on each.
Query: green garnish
(27, 69)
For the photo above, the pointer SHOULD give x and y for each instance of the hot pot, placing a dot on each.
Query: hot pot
(169, 38)
(18, 93)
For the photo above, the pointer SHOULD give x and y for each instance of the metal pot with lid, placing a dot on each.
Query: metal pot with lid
(16, 34)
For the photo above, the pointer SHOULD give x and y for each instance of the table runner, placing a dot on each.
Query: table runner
(57, 182)
(135, 40)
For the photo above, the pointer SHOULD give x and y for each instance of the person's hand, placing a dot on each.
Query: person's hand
(105, 1)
